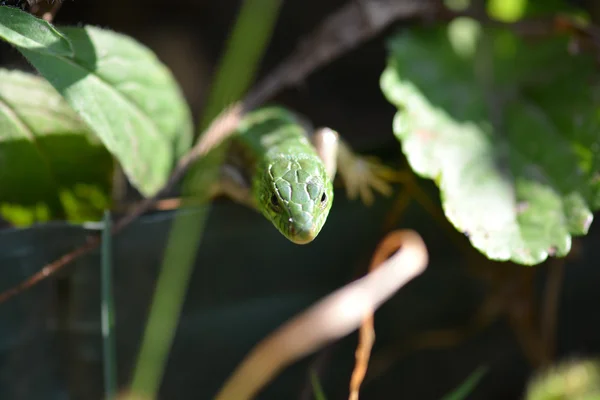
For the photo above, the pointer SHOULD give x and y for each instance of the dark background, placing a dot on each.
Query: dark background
(248, 280)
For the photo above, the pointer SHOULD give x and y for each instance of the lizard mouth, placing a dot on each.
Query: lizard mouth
(302, 235)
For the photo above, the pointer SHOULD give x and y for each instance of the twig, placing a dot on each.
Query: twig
(49, 15)
(47, 11)
(341, 32)
(366, 339)
(344, 30)
(333, 317)
(366, 335)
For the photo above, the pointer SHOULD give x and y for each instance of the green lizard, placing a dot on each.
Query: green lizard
(277, 167)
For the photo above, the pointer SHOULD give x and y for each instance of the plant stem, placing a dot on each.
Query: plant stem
(245, 48)
(108, 312)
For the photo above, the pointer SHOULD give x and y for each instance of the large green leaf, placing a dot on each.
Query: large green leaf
(51, 165)
(125, 94)
(507, 128)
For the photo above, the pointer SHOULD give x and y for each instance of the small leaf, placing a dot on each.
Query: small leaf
(509, 132)
(51, 165)
(25, 31)
(128, 97)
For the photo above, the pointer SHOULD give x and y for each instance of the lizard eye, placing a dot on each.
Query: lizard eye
(324, 198)
(274, 202)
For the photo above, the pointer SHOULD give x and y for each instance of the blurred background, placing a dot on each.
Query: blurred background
(463, 313)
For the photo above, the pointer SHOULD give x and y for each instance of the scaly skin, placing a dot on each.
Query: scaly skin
(290, 184)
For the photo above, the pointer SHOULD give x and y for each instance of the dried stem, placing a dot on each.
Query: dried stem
(366, 334)
(46, 10)
(333, 317)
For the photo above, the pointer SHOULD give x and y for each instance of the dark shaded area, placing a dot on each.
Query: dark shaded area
(247, 278)
(50, 341)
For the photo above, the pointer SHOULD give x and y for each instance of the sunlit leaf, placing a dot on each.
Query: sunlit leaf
(25, 31)
(510, 132)
(127, 96)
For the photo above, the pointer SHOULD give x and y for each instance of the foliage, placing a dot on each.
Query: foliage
(506, 126)
(116, 86)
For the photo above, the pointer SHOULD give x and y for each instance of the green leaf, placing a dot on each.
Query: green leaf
(25, 31)
(509, 131)
(127, 96)
(51, 165)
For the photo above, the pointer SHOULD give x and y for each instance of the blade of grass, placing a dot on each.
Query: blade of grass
(317, 388)
(467, 387)
(108, 312)
(245, 48)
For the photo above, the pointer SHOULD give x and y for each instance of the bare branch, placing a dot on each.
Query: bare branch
(45, 9)
(338, 34)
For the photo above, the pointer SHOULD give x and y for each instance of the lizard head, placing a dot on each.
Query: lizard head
(295, 194)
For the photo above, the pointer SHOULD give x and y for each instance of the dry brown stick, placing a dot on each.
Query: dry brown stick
(344, 30)
(341, 32)
(366, 339)
(50, 14)
(46, 9)
(333, 317)
(366, 334)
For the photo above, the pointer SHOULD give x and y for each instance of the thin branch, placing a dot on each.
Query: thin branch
(339, 33)
(50, 14)
(366, 339)
(46, 10)
(333, 317)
